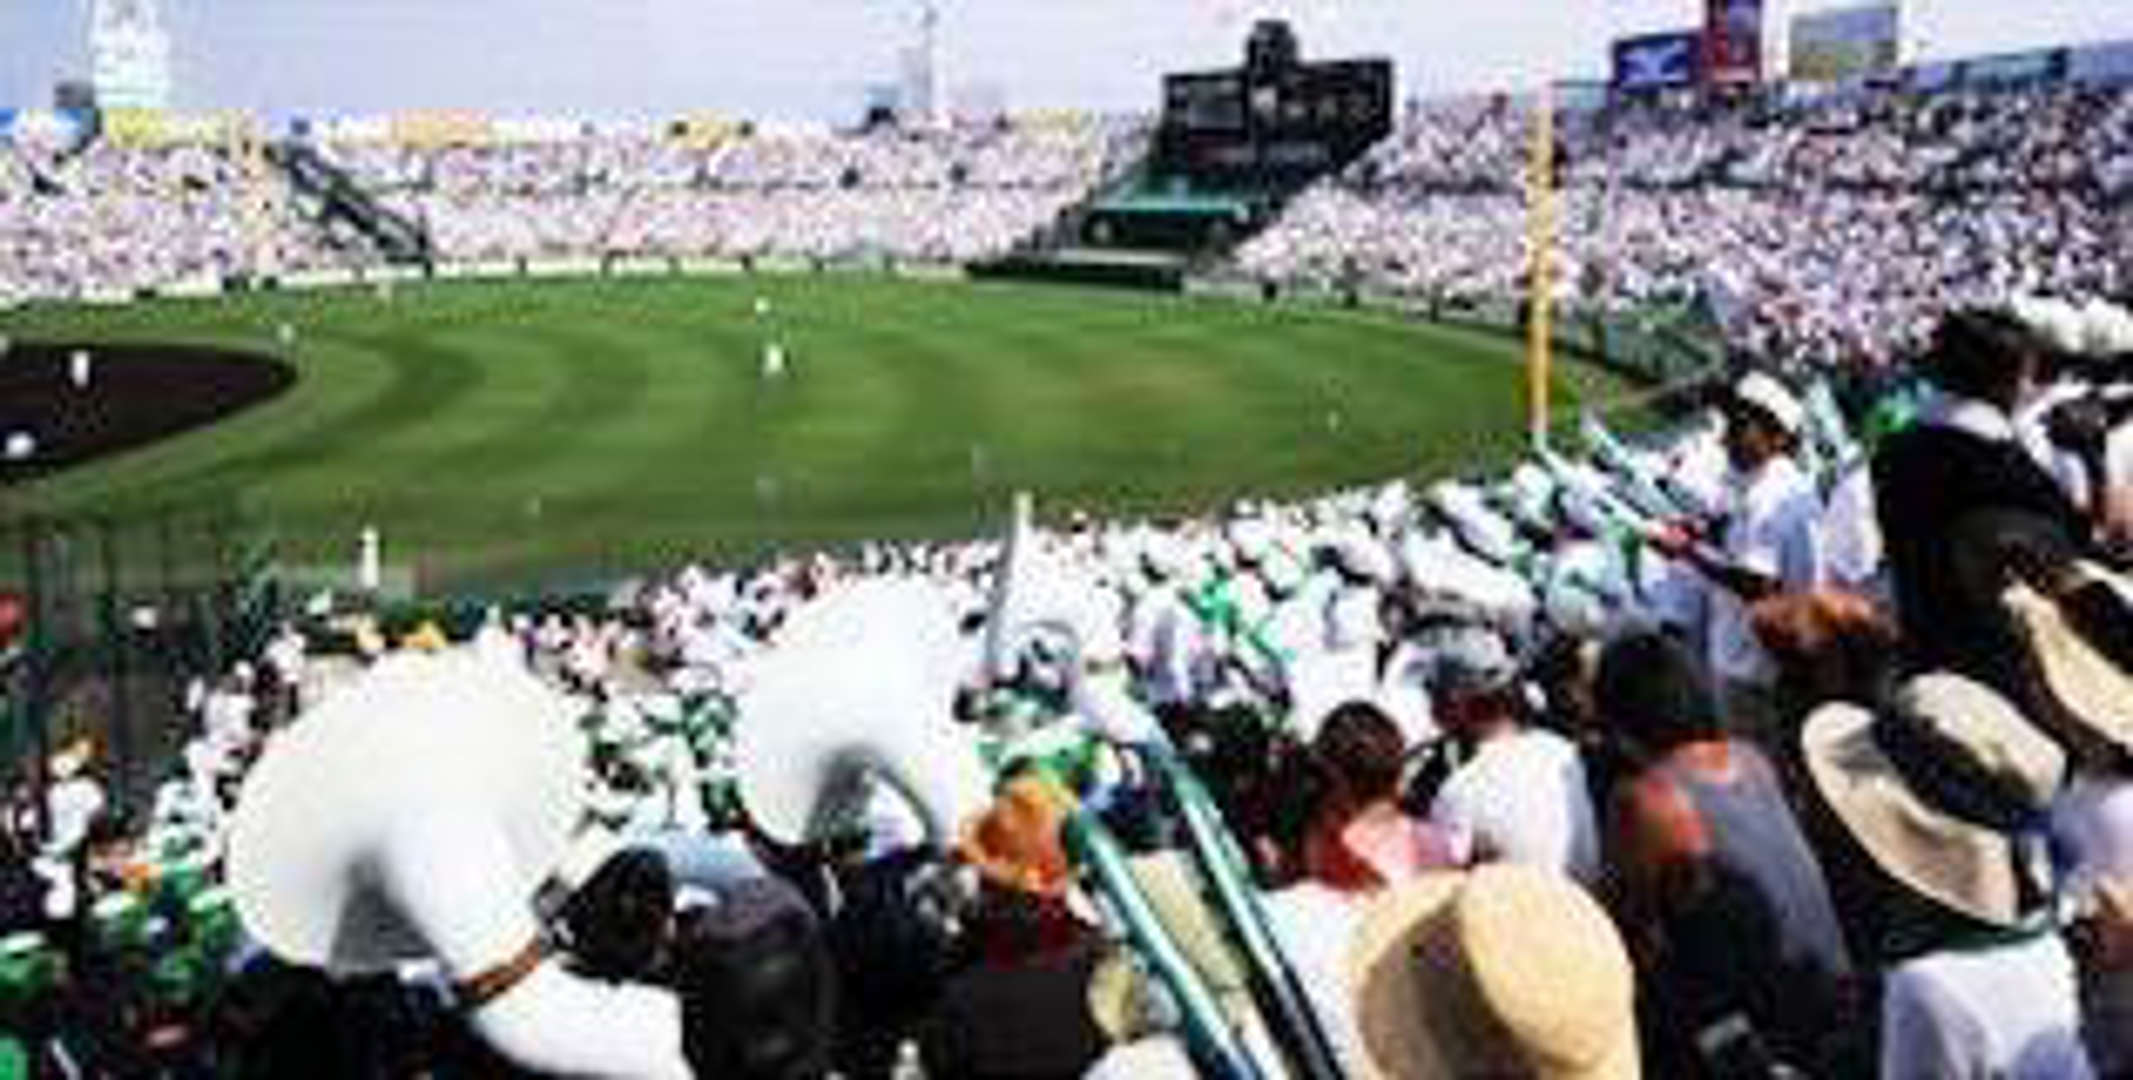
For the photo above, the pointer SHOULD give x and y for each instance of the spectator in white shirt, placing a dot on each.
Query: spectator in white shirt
(2092, 825)
(1520, 794)
(1941, 796)
(1770, 543)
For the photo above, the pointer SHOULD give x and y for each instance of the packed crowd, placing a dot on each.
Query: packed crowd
(937, 195)
(1797, 741)
(71, 222)
(1834, 232)
(99, 218)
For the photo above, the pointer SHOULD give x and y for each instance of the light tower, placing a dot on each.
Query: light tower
(129, 54)
(921, 97)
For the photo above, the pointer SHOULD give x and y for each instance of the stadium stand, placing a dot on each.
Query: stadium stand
(73, 218)
(1833, 233)
(1775, 671)
(808, 194)
(1272, 650)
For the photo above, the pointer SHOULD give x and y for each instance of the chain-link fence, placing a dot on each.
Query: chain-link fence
(119, 614)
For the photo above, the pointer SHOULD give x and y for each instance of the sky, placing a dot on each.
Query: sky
(813, 59)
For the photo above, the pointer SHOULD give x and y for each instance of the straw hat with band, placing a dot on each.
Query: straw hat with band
(2093, 693)
(1948, 791)
(1504, 970)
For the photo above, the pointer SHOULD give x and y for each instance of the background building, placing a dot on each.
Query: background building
(129, 55)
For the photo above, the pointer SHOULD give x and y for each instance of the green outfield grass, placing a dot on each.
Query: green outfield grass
(507, 431)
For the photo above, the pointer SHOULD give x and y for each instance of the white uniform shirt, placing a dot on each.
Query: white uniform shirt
(2005, 1011)
(1851, 533)
(72, 805)
(1774, 530)
(2118, 455)
(1313, 924)
(285, 654)
(1165, 642)
(2092, 820)
(1522, 799)
(1352, 619)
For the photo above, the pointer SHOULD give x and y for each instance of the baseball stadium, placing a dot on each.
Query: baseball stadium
(921, 540)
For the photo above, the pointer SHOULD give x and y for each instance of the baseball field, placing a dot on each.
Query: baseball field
(521, 430)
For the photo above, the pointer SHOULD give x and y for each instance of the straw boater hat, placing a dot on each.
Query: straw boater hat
(1502, 971)
(862, 682)
(2092, 691)
(1943, 790)
(420, 741)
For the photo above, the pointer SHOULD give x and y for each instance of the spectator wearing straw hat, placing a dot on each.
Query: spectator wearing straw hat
(1719, 895)
(2078, 638)
(1945, 793)
(1500, 971)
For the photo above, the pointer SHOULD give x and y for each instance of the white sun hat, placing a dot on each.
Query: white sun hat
(1769, 395)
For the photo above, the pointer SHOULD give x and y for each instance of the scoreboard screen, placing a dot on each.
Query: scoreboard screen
(1204, 102)
(1274, 125)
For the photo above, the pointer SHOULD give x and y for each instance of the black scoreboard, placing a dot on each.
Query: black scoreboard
(1275, 119)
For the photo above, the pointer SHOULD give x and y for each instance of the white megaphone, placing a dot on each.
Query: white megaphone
(424, 811)
(859, 688)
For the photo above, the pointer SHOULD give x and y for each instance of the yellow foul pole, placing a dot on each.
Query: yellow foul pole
(1540, 237)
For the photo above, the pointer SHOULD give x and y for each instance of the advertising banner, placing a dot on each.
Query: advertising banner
(2109, 63)
(441, 127)
(704, 129)
(134, 127)
(62, 126)
(1656, 61)
(1843, 43)
(2013, 69)
(353, 129)
(536, 129)
(1732, 41)
(710, 266)
(205, 127)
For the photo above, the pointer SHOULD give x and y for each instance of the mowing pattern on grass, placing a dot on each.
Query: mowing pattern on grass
(501, 430)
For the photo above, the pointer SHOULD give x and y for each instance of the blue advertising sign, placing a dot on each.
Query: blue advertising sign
(2108, 63)
(1656, 61)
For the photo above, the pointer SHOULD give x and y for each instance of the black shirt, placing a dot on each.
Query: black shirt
(1927, 481)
